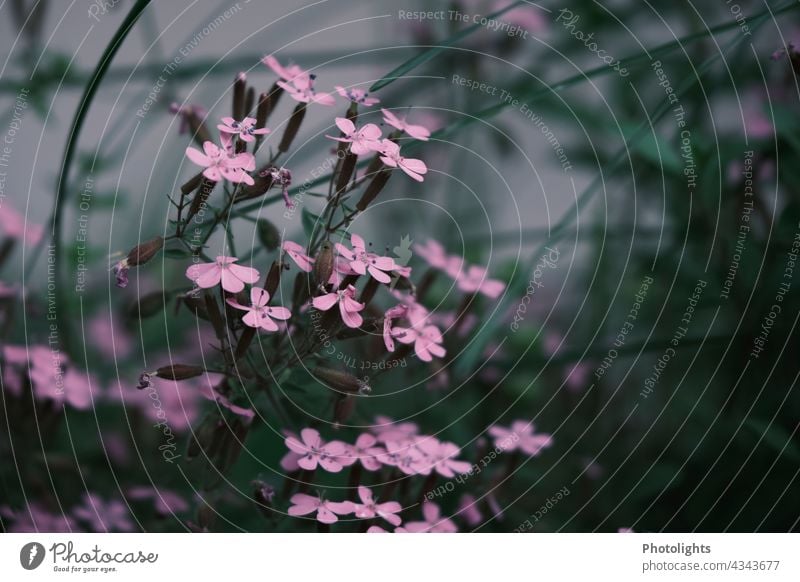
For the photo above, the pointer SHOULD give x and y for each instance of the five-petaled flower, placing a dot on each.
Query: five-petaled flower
(362, 262)
(298, 255)
(301, 89)
(427, 340)
(348, 306)
(434, 522)
(416, 131)
(392, 158)
(221, 162)
(364, 451)
(440, 457)
(357, 95)
(313, 451)
(259, 313)
(245, 129)
(224, 270)
(369, 508)
(363, 140)
(520, 436)
(327, 511)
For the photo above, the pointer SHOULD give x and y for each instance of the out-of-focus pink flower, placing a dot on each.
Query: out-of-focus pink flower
(385, 429)
(36, 519)
(187, 112)
(365, 452)
(468, 278)
(220, 162)
(521, 437)
(245, 129)
(298, 255)
(224, 270)
(259, 313)
(362, 262)
(376, 529)
(327, 511)
(113, 341)
(406, 457)
(348, 306)
(433, 521)
(301, 89)
(362, 140)
(165, 502)
(369, 508)
(391, 314)
(392, 158)
(416, 131)
(288, 73)
(475, 280)
(427, 341)
(625, 530)
(440, 457)
(469, 511)
(102, 516)
(357, 95)
(13, 225)
(211, 394)
(578, 376)
(313, 451)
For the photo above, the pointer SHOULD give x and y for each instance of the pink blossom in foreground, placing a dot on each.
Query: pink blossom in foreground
(327, 511)
(416, 131)
(245, 129)
(13, 225)
(302, 89)
(362, 261)
(259, 313)
(366, 452)
(427, 341)
(102, 516)
(313, 451)
(224, 270)
(391, 314)
(369, 508)
(433, 522)
(288, 73)
(220, 162)
(357, 96)
(521, 437)
(348, 306)
(362, 140)
(298, 254)
(440, 457)
(392, 158)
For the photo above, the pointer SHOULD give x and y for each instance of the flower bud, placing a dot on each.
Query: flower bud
(139, 255)
(342, 381)
(345, 173)
(239, 88)
(373, 189)
(323, 265)
(343, 410)
(273, 277)
(250, 100)
(263, 111)
(268, 234)
(178, 372)
(192, 184)
(292, 127)
(200, 197)
(148, 305)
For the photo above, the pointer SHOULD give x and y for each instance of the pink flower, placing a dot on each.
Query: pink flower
(301, 89)
(283, 178)
(245, 129)
(165, 502)
(406, 457)
(357, 96)
(327, 511)
(520, 436)
(104, 516)
(439, 456)
(363, 140)
(259, 313)
(314, 452)
(391, 314)
(220, 162)
(433, 523)
(469, 511)
(475, 280)
(13, 225)
(363, 262)
(387, 429)
(187, 112)
(368, 508)
(288, 73)
(36, 519)
(392, 158)
(427, 340)
(348, 306)
(298, 255)
(232, 276)
(416, 131)
(435, 255)
(365, 452)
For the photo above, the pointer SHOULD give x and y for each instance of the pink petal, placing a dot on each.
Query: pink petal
(325, 302)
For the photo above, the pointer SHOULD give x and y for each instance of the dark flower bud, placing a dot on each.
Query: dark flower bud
(178, 372)
(263, 111)
(200, 198)
(323, 265)
(262, 182)
(342, 381)
(192, 184)
(292, 127)
(369, 291)
(139, 255)
(239, 88)
(249, 101)
(373, 189)
(343, 410)
(345, 173)
(273, 277)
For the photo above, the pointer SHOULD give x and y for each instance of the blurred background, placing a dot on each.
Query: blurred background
(630, 168)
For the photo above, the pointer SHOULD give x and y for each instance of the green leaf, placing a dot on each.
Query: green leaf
(427, 55)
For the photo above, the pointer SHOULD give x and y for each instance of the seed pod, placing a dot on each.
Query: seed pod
(148, 305)
(369, 291)
(263, 111)
(199, 130)
(200, 197)
(192, 184)
(262, 183)
(249, 101)
(343, 410)
(373, 189)
(302, 289)
(139, 255)
(268, 234)
(292, 128)
(342, 381)
(239, 88)
(345, 173)
(273, 278)
(323, 265)
(178, 372)
(248, 333)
